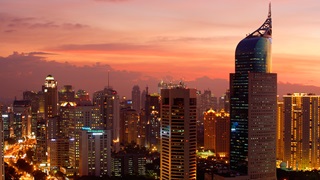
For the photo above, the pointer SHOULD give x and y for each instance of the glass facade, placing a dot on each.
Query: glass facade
(253, 55)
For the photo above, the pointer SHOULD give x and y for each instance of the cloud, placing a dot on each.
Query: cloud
(13, 23)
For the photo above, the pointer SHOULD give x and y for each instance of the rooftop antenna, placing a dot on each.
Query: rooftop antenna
(269, 13)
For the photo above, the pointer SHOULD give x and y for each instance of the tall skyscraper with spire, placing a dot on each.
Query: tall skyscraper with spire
(253, 105)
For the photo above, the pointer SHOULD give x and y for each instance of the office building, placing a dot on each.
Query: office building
(84, 116)
(152, 120)
(95, 152)
(178, 133)
(109, 103)
(301, 131)
(253, 106)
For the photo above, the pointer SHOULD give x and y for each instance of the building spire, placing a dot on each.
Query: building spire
(265, 30)
(269, 13)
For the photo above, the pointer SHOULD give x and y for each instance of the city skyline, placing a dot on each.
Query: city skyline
(140, 39)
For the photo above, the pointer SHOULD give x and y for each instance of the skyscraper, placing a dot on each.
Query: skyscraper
(178, 133)
(50, 89)
(109, 103)
(152, 118)
(135, 96)
(301, 131)
(253, 105)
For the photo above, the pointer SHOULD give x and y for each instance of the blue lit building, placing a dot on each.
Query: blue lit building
(253, 103)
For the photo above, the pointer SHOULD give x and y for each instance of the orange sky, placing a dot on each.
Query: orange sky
(182, 38)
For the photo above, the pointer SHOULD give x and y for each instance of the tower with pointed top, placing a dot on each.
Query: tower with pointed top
(253, 106)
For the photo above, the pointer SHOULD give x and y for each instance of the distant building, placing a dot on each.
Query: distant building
(66, 94)
(216, 132)
(37, 107)
(178, 133)
(135, 96)
(22, 118)
(129, 126)
(82, 98)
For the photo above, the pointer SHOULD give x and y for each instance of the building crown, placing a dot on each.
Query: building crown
(265, 30)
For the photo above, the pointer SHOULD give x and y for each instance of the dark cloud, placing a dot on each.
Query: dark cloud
(15, 23)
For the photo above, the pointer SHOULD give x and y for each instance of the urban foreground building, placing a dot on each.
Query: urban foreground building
(178, 133)
(253, 105)
(301, 131)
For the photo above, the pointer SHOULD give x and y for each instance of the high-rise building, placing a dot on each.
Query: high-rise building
(280, 129)
(152, 120)
(6, 125)
(22, 118)
(253, 106)
(50, 90)
(128, 126)
(109, 103)
(135, 96)
(95, 152)
(301, 131)
(37, 107)
(178, 133)
(216, 132)
(2, 172)
(84, 116)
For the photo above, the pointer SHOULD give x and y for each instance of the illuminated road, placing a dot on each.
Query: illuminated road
(16, 151)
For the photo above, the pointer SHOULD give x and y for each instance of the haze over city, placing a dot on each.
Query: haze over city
(142, 42)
